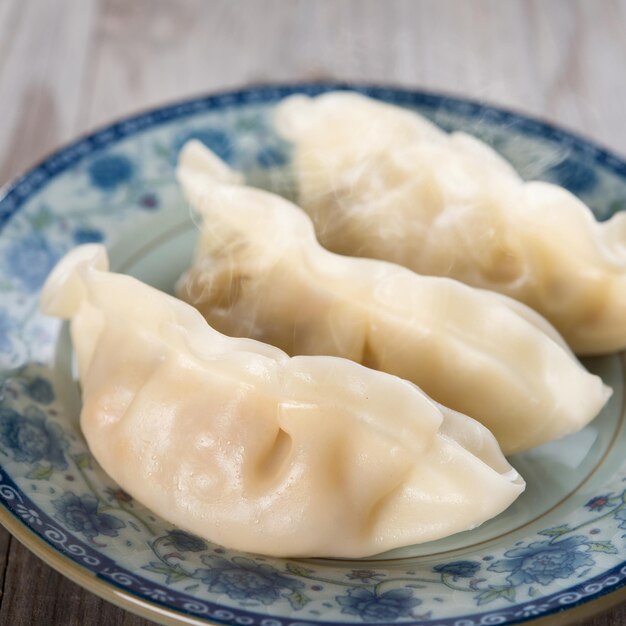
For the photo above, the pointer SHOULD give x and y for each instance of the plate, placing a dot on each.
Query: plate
(558, 551)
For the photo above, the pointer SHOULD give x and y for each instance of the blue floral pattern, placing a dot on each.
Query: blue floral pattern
(268, 151)
(458, 569)
(30, 260)
(388, 606)
(544, 561)
(32, 438)
(110, 171)
(184, 542)
(621, 517)
(87, 235)
(244, 578)
(81, 514)
(217, 140)
(62, 495)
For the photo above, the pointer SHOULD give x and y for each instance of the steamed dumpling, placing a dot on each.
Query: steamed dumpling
(259, 272)
(236, 442)
(383, 182)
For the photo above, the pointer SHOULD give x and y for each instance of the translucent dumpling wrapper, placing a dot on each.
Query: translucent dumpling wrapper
(383, 182)
(259, 272)
(233, 440)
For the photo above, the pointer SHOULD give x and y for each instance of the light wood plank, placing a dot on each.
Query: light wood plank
(41, 78)
(551, 57)
(10, 13)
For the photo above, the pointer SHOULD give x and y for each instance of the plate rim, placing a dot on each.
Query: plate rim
(16, 191)
(535, 123)
(82, 576)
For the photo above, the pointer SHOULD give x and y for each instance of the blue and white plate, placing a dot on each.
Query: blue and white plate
(560, 547)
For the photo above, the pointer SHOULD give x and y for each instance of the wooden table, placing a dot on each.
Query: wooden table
(67, 66)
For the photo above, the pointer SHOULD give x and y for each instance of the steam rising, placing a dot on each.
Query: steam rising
(382, 182)
(261, 273)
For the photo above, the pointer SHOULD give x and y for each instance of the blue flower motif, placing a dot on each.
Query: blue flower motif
(30, 260)
(544, 561)
(87, 235)
(40, 390)
(110, 171)
(621, 517)
(371, 607)
(32, 438)
(215, 139)
(7, 325)
(184, 542)
(459, 569)
(245, 579)
(271, 156)
(574, 175)
(80, 514)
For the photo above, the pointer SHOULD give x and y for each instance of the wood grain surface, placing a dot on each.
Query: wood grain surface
(67, 66)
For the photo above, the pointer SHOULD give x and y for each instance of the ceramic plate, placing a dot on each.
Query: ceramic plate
(560, 546)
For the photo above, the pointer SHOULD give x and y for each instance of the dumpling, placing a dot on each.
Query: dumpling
(383, 182)
(259, 272)
(235, 441)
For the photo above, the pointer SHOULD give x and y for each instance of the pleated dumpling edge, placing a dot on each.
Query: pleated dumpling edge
(240, 444)
(382, 181)
(260, 272)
